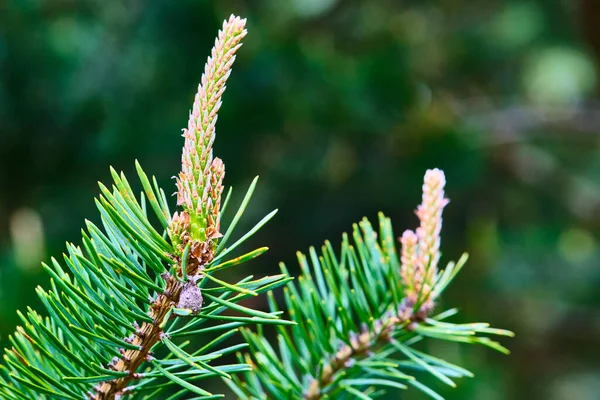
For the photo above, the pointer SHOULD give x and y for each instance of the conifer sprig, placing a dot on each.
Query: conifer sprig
(361, 314)
(200, 182)
(120, 303)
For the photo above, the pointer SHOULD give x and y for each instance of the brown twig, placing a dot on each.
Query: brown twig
(363, 344)
(145, 337)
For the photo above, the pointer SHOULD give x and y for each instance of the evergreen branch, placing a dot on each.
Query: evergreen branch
(360, 315)
(199, 192)
(114, 302)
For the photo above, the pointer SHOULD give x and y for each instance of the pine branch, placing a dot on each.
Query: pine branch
(360, 315)
(119, 305)
(200, 185)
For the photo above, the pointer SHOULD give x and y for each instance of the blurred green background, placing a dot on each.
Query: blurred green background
(340, 106)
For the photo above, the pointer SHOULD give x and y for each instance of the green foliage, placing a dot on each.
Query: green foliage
(356, 332)
(98, 302)
(122, 304)
(119, 303)
(339, 110)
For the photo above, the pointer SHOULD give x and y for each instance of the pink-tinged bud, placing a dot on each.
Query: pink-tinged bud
(199, 184)
(430, 216)
(421, 249)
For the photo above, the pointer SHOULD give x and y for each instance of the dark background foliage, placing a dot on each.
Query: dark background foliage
(340, 106)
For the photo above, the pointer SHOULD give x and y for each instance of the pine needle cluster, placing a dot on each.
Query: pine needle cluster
(361, 314)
